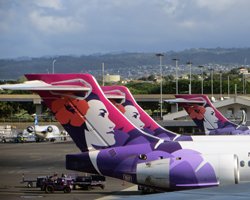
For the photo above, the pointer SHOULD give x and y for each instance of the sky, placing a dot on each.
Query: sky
(36, 28)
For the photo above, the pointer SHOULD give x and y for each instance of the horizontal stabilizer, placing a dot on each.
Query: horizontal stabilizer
(181, 100)
(114, 94)
(42, 86)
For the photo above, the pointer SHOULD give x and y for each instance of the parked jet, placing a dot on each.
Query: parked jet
(44, 132)
(208, 118)
(112, 146)
(121, 97)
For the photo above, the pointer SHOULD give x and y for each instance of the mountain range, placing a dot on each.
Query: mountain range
(122, 62)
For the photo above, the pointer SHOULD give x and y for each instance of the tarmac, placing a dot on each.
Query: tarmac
(47, 158)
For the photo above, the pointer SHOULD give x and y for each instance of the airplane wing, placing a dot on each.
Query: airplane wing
(40, 86)
(181, 100)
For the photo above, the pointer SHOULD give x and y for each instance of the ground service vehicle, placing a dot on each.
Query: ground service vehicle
(59, 184)
(38, 182)
(88, 182)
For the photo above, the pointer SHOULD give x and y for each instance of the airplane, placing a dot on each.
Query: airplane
(122, 98)
(112, 146)
(208, 118)
(43, 132)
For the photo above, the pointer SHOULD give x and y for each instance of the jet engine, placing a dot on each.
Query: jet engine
(49, 129)
(189, 171)
(30, 129)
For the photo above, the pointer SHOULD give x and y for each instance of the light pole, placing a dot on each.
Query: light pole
(176, 77)
(201, 67)
(228, 86)
(190, 76)
(243, 83)
(160, 55)
(176, 70)
(102, 74)
(53, 66)
(220, 85)
(212, 84)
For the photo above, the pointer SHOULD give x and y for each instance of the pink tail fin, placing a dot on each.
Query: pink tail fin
(203, 112)
(79, 104)
(124, 100)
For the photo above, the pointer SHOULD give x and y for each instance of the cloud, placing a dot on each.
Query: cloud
(54, 4)
(217, 6)
(43, 27)
(53, 24)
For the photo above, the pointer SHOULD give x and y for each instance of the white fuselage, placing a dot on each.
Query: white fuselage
(230, 145)
(42, 131)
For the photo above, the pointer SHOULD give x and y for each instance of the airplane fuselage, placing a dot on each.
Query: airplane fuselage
(47, 131)
(175, 165)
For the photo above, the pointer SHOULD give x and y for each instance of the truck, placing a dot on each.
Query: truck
(88, 182)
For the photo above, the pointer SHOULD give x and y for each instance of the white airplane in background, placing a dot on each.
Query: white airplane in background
(44, 132)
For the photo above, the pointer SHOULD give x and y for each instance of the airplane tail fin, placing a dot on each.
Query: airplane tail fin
(79, 104)
(35, 119)
(125, 102)
(203, 112)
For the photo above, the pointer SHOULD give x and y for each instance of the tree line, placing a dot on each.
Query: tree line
(145, 85)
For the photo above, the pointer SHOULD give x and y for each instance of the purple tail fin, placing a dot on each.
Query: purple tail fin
(123, 99)
(204, 114)
(79, 104)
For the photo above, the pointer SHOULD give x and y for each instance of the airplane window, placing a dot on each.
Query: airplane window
(242, 163)
(248, 163)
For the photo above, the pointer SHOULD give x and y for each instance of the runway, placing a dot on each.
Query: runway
(36, 159)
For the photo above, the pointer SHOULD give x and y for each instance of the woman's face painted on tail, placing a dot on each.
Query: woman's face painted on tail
(133, 115)
(97, 116)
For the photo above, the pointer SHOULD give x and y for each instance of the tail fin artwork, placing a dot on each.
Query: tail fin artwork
(79, 104)
(125, 102)
(206, 116)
